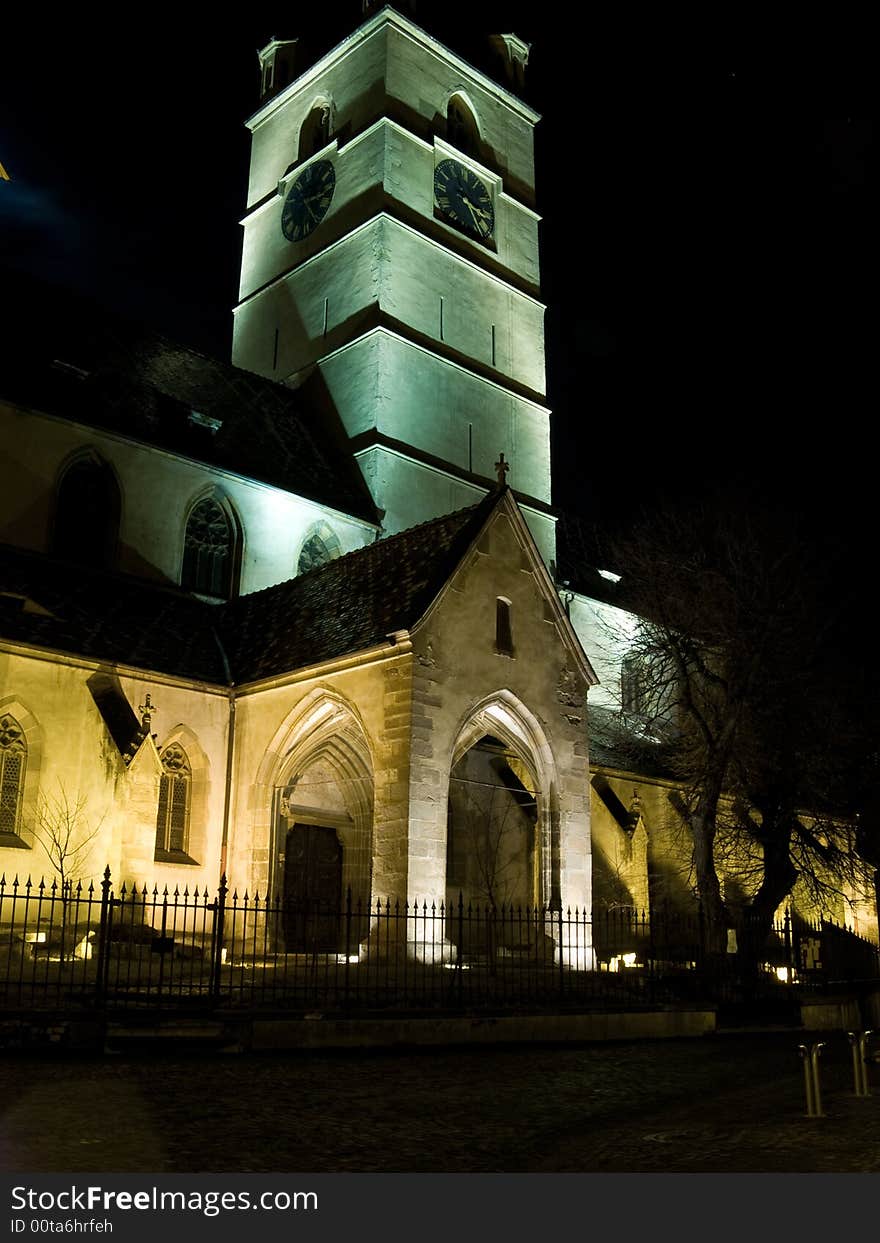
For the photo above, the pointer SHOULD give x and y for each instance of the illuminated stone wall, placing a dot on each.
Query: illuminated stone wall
(158, 490)
(411, 488)
(423, 335)
(71, 756)
(384, 267)
(533, 700)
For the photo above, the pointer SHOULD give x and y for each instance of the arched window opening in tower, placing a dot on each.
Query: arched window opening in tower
(315, 132)
(461, 127)
(635, 685)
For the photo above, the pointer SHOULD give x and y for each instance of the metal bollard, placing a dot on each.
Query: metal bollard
(858, 1043)
(810, 1055)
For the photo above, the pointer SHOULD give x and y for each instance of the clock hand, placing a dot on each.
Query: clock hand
(480, 225)
(470, 208)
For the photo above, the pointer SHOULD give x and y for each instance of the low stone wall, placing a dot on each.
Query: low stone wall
(840, 1014)
(365, 1033)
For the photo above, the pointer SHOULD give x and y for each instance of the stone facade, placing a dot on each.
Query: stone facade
(419, 346)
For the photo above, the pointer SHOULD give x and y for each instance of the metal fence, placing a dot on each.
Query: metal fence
(94, 947)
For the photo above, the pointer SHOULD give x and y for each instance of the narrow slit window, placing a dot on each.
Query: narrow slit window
(503, 632)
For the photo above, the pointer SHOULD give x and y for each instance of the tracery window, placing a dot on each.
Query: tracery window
(175, 799)
(13, 761)
(320, 547)
(208, 550)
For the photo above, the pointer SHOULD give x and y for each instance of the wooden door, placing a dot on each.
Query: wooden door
(312, 889)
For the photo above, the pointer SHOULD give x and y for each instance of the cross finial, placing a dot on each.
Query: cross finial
(501, 469)
(146, 710)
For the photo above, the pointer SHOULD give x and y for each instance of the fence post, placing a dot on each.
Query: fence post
(217, 938)
(347, 945)
(102, 963)
(459, 956)
(786, 937)
(561, 963)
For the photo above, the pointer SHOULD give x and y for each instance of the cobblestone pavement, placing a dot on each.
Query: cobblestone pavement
(725, 1103)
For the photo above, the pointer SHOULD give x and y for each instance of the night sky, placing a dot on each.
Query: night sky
(706, 187)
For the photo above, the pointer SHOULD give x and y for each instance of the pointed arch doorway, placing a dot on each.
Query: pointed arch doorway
(502, 841)
(322, 852)
(491, 844)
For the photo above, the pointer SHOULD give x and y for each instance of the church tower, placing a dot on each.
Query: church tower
(391, 267)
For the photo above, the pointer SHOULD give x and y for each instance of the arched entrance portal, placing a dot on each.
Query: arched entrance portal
(502, 844)
(492, 842)
(322, 839)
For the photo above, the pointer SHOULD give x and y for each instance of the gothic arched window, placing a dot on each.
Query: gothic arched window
(87, 506)
(461, 126)
(175, 798)
(13, 761)
(209, 550)
(315, 132)
(321, 546)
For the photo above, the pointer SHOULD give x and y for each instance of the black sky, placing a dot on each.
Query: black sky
(707, 187)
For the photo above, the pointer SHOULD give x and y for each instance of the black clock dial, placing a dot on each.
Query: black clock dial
(462, 197)
(308, 200)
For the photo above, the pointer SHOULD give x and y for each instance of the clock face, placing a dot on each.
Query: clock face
(462, 197)
(308, 200)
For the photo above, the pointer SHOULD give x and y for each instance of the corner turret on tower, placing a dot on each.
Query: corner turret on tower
(277, 60)
(513, 52)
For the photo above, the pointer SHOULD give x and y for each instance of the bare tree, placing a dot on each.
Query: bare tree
(491, 815)
(66, 835)
(746, 697)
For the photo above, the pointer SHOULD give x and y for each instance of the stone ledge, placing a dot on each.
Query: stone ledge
(339, 1033)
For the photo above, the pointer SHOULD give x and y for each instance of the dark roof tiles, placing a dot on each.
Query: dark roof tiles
(68, 357)
(349, 604)
(106, 617)
(346, 606)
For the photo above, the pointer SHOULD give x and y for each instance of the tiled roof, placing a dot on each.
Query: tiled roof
(349, 604)
(106, 617)
(615, 745)
(345, 606)
(579, 557)
(122, 377)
